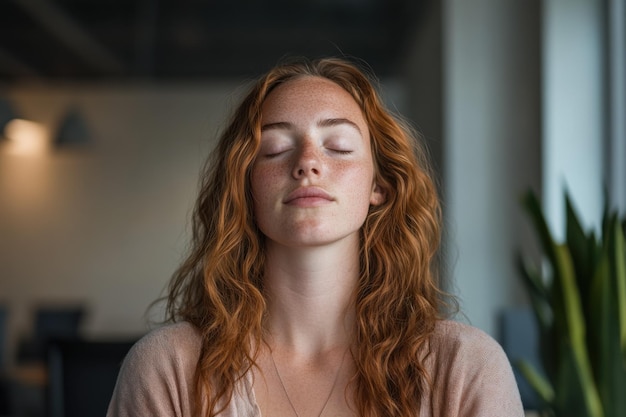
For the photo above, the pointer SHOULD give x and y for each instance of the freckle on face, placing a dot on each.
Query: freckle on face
(302, 103)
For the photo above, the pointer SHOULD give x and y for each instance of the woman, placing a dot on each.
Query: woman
(310, 288)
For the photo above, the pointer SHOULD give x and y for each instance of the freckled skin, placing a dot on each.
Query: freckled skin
(314, 135)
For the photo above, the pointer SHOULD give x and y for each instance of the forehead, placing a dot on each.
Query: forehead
(313, 95)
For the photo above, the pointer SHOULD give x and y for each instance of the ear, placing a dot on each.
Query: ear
(378, 195)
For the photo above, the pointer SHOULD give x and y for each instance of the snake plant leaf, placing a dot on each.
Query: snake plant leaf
(618, 255)
(572, 396)
(579, 246)
(584, 287)
(607, 297)
(565, 290)
(569, 323)
(600, 316)
(548, 348)
(538, 382)
(567, 296)
(617, 381)
(569, 317)
(533, 279)
(533, 208)
(540, 301)
(537, 292)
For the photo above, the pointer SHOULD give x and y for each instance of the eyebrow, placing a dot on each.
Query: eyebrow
(338, 121)
(321, 123)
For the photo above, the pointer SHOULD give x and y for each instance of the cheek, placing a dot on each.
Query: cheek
(263, 180)
(361, 182)
(260, 178)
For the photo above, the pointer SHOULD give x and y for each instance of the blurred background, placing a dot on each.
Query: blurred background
(109, 108)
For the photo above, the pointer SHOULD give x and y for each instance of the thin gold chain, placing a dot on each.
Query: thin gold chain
(343, 358)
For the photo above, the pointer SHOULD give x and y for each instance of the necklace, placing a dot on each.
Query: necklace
(331, 388)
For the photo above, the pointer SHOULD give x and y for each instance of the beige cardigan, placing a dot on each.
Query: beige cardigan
(471, 377)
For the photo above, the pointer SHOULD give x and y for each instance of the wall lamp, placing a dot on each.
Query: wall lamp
(29, 137)
(72, 131)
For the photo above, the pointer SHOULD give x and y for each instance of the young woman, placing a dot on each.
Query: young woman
(310, 288)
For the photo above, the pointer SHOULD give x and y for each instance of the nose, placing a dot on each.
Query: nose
(308, 162)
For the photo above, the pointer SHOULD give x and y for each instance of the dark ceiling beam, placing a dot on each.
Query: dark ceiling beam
(15, 67)
(146, 28)
(72, 35)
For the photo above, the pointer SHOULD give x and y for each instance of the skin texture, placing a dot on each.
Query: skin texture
(312, 181)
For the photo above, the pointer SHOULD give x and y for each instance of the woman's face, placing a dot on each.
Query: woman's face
(313, 177)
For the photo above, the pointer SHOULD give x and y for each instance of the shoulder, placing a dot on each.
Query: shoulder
(157, 376)
(172, 339)
(166, 352)
(467, 349)
(452, 337)
(471, 375)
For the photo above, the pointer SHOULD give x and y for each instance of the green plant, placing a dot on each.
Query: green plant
(578, 295)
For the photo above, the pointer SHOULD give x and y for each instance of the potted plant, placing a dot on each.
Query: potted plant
(578, 296)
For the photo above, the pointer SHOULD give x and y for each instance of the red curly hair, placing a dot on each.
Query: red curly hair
(219, 287)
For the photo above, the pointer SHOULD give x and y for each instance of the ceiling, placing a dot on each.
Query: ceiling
(99, 40)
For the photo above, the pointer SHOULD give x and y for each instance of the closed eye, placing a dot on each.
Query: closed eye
(271, 148)
(339, 148)
(274, 154)
(340, 142)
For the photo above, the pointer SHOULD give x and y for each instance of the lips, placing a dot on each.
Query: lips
(307, 194)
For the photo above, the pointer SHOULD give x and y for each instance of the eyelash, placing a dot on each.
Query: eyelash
(273, 155)
(337, 151)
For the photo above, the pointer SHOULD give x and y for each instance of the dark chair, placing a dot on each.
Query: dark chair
(82, 376)
(50, 323)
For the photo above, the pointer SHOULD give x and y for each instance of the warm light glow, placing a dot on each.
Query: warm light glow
(25, 137)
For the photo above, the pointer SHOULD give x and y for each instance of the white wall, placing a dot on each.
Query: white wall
(616, 158)
(492, 146)
(107, 224)
(574, 111)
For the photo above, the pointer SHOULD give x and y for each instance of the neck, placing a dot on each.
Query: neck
(310, 296)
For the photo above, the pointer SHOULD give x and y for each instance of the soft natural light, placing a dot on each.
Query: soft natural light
(25, 137)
